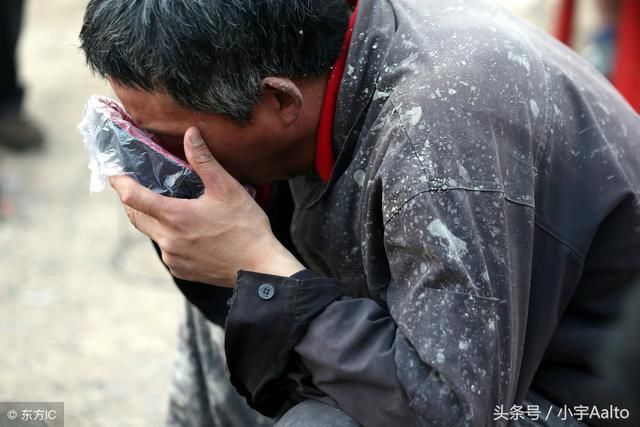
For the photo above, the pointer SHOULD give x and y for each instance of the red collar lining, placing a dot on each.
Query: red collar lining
(325, 159)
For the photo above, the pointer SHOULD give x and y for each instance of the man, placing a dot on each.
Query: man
(465, 196)
(16, 131)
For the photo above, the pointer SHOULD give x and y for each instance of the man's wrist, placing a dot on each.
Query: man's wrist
(277, 261)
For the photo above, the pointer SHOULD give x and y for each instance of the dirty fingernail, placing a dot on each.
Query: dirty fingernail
(196, 139)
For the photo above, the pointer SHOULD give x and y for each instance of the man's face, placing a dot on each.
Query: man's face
(255, 154)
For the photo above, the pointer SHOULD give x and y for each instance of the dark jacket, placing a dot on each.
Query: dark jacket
(478, 234)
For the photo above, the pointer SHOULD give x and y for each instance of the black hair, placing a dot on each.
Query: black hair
(212, 55)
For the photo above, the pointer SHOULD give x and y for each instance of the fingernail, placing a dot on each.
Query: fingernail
(196, 139)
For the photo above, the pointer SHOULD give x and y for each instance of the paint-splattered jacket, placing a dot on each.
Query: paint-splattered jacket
(478, 233)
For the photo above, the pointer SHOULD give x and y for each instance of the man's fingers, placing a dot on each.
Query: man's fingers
(200, 158)
(138, 197)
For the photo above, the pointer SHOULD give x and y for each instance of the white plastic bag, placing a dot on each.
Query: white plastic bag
(116, 146)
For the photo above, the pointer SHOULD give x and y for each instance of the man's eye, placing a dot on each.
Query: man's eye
(173, 145)
(168, 140)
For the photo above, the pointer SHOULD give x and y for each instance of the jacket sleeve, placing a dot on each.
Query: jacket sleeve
(433, 358)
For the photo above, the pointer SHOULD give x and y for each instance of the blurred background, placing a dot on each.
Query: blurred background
(88, 315)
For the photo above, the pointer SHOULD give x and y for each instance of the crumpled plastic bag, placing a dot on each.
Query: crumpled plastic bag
(116, 146)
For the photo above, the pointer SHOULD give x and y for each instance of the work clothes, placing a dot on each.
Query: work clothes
(478, 234)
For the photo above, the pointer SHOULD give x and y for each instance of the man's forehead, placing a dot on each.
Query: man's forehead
(153, 111)
(143, 101)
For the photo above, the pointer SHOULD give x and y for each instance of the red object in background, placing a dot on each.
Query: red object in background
(564, 30)
(626, 73)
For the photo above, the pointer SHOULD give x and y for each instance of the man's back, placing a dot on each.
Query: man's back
(479, 157)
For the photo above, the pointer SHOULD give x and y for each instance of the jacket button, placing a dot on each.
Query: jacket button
(266, 291)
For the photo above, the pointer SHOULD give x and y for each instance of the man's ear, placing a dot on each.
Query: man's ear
(288, 96)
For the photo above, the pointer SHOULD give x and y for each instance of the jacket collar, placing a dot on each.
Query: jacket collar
(372, 31)
(325, 159)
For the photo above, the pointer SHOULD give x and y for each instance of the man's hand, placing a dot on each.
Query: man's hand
(210, 238)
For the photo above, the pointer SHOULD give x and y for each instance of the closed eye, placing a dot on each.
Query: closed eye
(171, 142)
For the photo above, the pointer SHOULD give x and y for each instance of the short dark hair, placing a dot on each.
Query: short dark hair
(211, 55)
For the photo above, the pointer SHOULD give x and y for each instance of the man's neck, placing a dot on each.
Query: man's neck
(313, 90)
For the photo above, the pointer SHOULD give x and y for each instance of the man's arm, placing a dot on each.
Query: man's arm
(444, 353)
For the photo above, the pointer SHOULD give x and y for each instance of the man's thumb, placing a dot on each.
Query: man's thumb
(200, 158)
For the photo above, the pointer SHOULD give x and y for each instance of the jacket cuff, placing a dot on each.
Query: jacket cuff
(268, 315)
